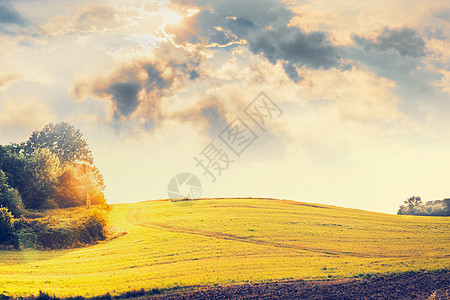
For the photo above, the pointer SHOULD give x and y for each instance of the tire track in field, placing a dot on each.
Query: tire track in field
(134, 219)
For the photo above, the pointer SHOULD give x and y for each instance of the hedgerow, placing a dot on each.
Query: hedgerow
(50, 233)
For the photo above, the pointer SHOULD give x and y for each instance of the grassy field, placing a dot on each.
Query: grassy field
(223, 241)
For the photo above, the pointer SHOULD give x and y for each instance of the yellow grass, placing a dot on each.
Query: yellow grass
(223, 241)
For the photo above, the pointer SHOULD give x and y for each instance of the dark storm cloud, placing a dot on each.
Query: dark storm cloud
(10, 20)
(221, 27)
(9, 16)
(125, 96)
(193, 75)
(406, 41)
(240, 17)
(291, 72)
(294, 46)
(398, 55)
(264, 24)
(137, 92)
(155, 80)
(123, 88)
(220, 37)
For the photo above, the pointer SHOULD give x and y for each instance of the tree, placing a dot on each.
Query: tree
(14, 163)
(412, 206)
(77, 182)
(6, 225)
(413, 201)
(45, 170)
(447, 206)
(9, 197)
(63, 140)
(53, 168)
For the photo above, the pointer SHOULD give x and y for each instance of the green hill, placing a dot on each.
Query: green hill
(223, 241)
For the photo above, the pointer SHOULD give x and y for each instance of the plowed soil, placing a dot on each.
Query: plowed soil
(432, 285)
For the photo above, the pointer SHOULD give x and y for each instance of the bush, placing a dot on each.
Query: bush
(55, 238)
(6, 226)
(49, 204)
(51, 233)
(45, 296)
(92, 228)
(27, 238)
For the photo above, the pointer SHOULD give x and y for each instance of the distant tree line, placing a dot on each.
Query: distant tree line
(415, 206)
(52, 169)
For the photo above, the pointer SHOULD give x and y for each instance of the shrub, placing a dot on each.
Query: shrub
(51, 233)
(27, 238)
(6, 225)
(93, 227)
(55, 237)
(45, 296)
(49, 204)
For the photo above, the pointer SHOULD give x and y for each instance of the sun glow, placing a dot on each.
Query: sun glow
(170, 17)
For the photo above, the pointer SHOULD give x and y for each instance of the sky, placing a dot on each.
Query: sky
(336, 102)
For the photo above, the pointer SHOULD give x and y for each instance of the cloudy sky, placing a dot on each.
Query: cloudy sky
(355, 110)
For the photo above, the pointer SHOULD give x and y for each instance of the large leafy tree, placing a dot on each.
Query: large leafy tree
(413, 201)
(14, 163)
(63, 140)
(53, 168)
(45, 171)
(9, 197)
(78, 182)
